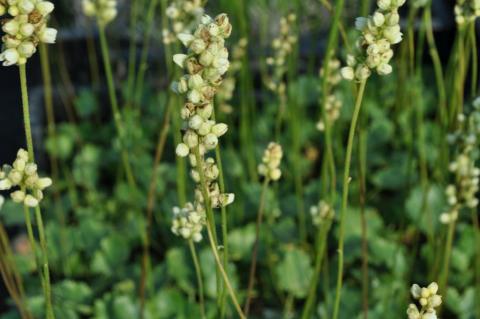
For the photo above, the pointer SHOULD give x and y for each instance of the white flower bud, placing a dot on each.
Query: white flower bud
(198, 46)
(5, 184)
(210, 141)
(378, 19)
(45, 7)
(26, 49)
(48, 35)
(179, 59)
(347, 73)
(219, 129)
(186, 38)
(195, 122)
(194, 96)
(31, 201)
(182, 150)
(18, 196)
(43, 183)
(195, 81)
(384, 69)
(27, 29)
(11, 27)
(30, 168)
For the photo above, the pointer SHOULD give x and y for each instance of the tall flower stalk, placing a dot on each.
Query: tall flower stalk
(270, 170)
(378, 33)
(205, 64)
(105, 11)
(25, 27)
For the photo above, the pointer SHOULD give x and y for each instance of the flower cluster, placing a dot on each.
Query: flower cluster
(282, 46)
(272, 158)
(225, 91)
(321, 213)
(467, 11)
(462, 193)
(24, 28)
(188, 221)
(23, 174)
(104, 10)
(427, 298)
(333, 104)
(184, 16)
(378, 33)
(205, 64)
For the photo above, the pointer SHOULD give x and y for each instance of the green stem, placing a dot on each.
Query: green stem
(212, 233)
(210, 216)
(362, 165)
(253, 263)
(198, 272)
(132, 51)
(443, 282)
(224, 222)
(142, 68)
(224, 274)
(321, 244)
(473, 40)
(346, 183)
(476, 226)
(31, 154)
(331, 45)
(45, 265)
(115, 109)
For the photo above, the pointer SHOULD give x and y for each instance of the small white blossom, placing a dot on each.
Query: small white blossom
(204, 64)
(24, 28)
(23, 175)
(104, 11)
(427, 298)
(321, 213)
(272, 158)
(188, 221)
(379, 32)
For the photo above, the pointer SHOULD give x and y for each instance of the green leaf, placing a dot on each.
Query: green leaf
(425, 209)
(294, 272)
(178, 268)
(85, 103)
(241, 241)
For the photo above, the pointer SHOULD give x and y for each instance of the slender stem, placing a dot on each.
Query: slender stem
(198, 272)
(210, 215)
(253, 263)
(132, 51)
(49, 110)
(224, 222)
(142, 67)
(321, 244)
(224, 274)
(346, 183)
(331, 45)
(115, 109)
(476, 225)
(473, 40)
(362, 165)
(443, 282)
(162, 138)
(26, 112)
(31, 154)
(45, 265)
